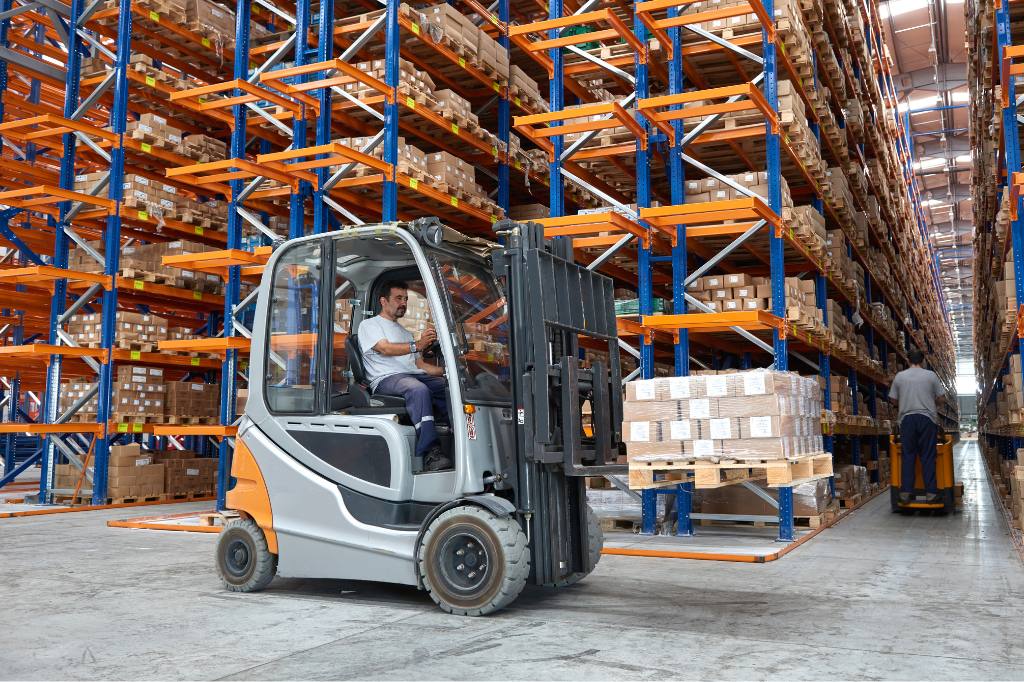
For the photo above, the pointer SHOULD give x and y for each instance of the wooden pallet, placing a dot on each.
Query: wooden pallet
(619, 524)
(707, 474)
(809, 522)
(179, 420)
(187, 496)
(850, 501)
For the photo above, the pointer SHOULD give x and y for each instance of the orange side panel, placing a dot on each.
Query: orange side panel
(250, 495)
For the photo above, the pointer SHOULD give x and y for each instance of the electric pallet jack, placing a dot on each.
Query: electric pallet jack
(944, 477)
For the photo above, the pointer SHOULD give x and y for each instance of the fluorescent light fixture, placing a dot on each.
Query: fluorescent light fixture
(919, 102)
(960, 95)
(963, 158)
(930, 162)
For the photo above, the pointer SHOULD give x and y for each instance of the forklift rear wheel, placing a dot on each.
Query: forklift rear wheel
(595, 538)
(244, 561)
(473, 562)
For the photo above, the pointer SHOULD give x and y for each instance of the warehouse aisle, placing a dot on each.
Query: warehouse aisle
(877, 596)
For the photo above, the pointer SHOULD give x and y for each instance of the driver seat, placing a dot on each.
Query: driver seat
(363, 402)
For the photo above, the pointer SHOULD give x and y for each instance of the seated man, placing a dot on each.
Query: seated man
(393, 367)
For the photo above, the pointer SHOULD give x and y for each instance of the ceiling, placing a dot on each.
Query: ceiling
(927, 43)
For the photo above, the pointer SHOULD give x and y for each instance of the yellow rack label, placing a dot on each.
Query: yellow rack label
(206, 42)
(410, 102)
(494, 151)
(455, 128)
(453, 201)
(415, 28)
(143, 215)
(155, 16)
(195, 362)
(136, 355)
(199, 230)
(139, 284)
(497, 88)
(519, 102)
(137, 427)
(150, 81)
(494, 18)
(494, 219)
(122, 428)
(519, 165)
(462, 62)
(147, 147)
(197, 295)
(414, 183)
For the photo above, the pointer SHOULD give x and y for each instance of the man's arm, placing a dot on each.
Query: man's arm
(385, 347)
(432, 370)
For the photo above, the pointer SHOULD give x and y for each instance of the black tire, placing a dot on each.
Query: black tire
(595, 538)
(244, 561)
(473, 562)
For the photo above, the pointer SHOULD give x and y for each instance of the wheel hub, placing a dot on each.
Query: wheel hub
(463, 562)
(238, 558)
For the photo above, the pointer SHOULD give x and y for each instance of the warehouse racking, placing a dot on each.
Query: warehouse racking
(643, 97)
(994, 67)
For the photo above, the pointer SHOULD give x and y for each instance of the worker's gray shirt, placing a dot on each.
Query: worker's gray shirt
(916, 389)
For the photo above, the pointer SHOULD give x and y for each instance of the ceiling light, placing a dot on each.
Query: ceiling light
(896, 7)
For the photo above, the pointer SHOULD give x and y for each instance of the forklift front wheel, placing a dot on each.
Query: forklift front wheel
(244, 561)
(473, 562)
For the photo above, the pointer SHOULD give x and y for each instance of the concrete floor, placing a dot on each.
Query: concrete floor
(877, 596)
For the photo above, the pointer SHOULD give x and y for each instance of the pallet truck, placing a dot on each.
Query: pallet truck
(943, 476)
(324, 482)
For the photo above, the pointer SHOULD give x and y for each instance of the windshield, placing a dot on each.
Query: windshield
(480, 323)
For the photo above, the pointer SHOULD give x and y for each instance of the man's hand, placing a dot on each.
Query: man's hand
(426, 338)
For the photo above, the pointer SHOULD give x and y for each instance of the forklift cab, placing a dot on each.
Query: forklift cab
(315, 401)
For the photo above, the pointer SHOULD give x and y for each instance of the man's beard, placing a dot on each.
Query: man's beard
(400, 312)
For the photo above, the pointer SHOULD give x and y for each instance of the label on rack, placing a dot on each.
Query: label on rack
(147, 147)
(136, 355)
(462, 62)
(494, 150)
(494, 219)
(455, 128)
(497, 88)
(415, 28)
(518, 102)
(197, 295)
(143, 215)
(494, 19)
(122, 428)
(205, 42)
(155, 16)
(137, 427)
(414, 183)
(195, 362)
(139, 284)
(150, 81)
(411, 103)
(199, 230)
(453, 201)
(519, 164)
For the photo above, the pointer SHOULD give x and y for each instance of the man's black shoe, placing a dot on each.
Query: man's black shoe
(435, 460)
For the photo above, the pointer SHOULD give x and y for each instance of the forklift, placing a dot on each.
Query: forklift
(944, 477)
(324, 482)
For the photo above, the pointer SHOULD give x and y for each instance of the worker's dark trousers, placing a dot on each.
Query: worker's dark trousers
(917, 437)
(425, 396)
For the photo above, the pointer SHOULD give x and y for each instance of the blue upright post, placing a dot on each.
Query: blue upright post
(556, 92)
(391, 57)
(504, 117)
(677, 179)
(112, 246)
(325, 50)
(232, 284)
(645, 291)
(297, 199)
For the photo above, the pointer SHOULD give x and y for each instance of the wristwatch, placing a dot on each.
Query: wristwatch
(412, 346)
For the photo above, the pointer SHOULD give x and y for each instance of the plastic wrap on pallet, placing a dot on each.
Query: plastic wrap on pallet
(757, 414)
(612, 503)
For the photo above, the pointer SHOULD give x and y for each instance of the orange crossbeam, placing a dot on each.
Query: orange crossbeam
(221, 344)
(13, 427)
(193, 430)
(658, 109)
(43, 351)
(710, 213)
(46, 274)
(333, 154)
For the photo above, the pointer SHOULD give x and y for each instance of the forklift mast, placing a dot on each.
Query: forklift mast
(553, 305)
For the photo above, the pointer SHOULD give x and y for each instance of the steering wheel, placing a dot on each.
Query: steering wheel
(432, 351)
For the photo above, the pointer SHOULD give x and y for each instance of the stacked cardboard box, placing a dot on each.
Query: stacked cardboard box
(736, 291)
(187, 400)
(713, 189)
(67, 476)
(811, 498)
(186, 472)
(146, 261)
(756, 414)
(216, 23)
(452, 105)
(73, 389)
(447, 25)
(482, 339)
(809, 225)
(154, 130)
(452, 174)
(852, 480)
(411, 159)
(202, 148)
(523, 87)
(138, 393)
(132, 331)
(132, 473)
(839, 387)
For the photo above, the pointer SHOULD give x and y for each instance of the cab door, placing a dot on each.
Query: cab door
(302, 346)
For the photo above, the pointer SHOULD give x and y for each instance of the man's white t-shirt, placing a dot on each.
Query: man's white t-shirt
(379, 366)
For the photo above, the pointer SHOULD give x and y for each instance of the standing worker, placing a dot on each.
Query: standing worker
(916, 391)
